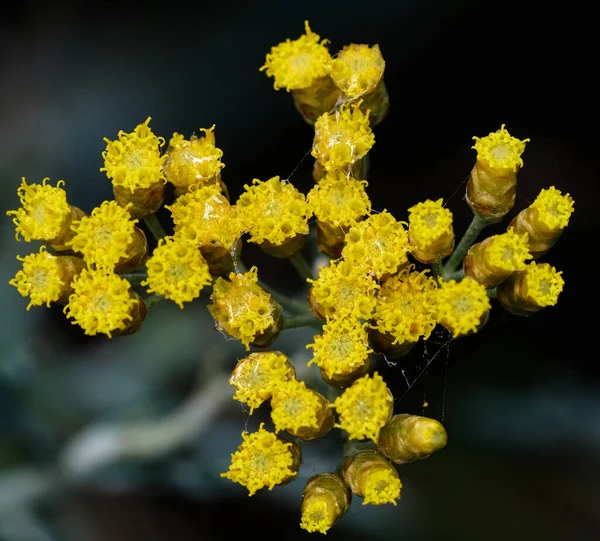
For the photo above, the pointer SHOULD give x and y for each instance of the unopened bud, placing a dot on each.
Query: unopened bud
(325, 500)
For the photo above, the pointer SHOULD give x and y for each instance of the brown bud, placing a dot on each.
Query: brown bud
(325, 500)
(491, 192)
(540, 237)
(220, 259)
(69, 267)
(411, 437)
(144, 201)
(285, 249)
(138, 314)
(384, 343)
(344, 380)
(59, 243)
(369, 475)
(267, 337)
(318, 98)
(137, 253)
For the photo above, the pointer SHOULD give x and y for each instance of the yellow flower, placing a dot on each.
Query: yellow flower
(43, 213)
(273, 211)
(365, 407)
(357, 69)
(342, 348)
(343, 290)
(339, 200)
(262, 460)
(101, 302)
(325, 499)
(177, 270)
(196, 161)
(40, 278)
(461, 306)
(104, 237)
(134, 161)
(242, 309)
(508, 251)
(294, 406)
(342, 137)
(499, 150)
(369, 475)
(405, 306)
(379, 244)
(382, 487)
(543, 284)
(205, 216)
(430, 231)
(295, 64)
(256, 376)
(553, 208)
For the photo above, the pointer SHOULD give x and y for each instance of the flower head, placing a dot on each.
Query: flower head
(499, 150)
(342, 348)
(357, 69)
(133, 161)
(430, 231)
(105, 236)
(196, 161)
(101, 302)
(273, 211)
(405, 306)
(242, 308)
(508, 251)
(339, 200)
(177, 270)
(39, 279)
(325, 500)
(262, 460)
(379, 244)
(461, 306)
(43, 213)
(295, 64)
(543, 284)
(256, 376)
(294, 406)
(381, 487)
(343, 290)
(365, 407)
(342, 137)
(205, 216)
(369, 475)
(553, 208)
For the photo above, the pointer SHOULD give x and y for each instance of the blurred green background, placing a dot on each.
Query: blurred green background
(520, 399)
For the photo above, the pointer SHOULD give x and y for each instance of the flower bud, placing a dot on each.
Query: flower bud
(325, 500)
(370, 476)
(411, 437)
(140, 202)
(544, 220)
(430, 231)
(495, 259)
(530, 290)
(492, 185)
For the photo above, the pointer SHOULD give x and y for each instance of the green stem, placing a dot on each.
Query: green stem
(456, 275)
(301, 265)
(152, 300)
(302, 320)
(492, 292)
(469, 238)
(437, 270)
(364, 167)
(291, 305)
(155, 227)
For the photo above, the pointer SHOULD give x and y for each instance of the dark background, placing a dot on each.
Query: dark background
(520, 399)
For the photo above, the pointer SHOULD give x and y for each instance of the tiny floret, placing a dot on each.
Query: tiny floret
(43, 213)
(343, 290)
(339, 200)
(294, 406)
(342, 137)
(365, 407)
(241, 307)
(461, 306)
(405, 306)
(357, 69)
(192, 162)
(499, 150)
(553, 208)
(39, 279)
(256, 376)
(133, 161)
(379, 245)
(543, 284)
(508, 251)
(101, 302)
(262, 460)
(381, 487)
(177, 270)
(342, 348)
(296, 64)
(105, 236)
(429, 221)
(273, 211)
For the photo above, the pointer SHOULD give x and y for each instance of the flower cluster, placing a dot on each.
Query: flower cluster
(385, 289)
